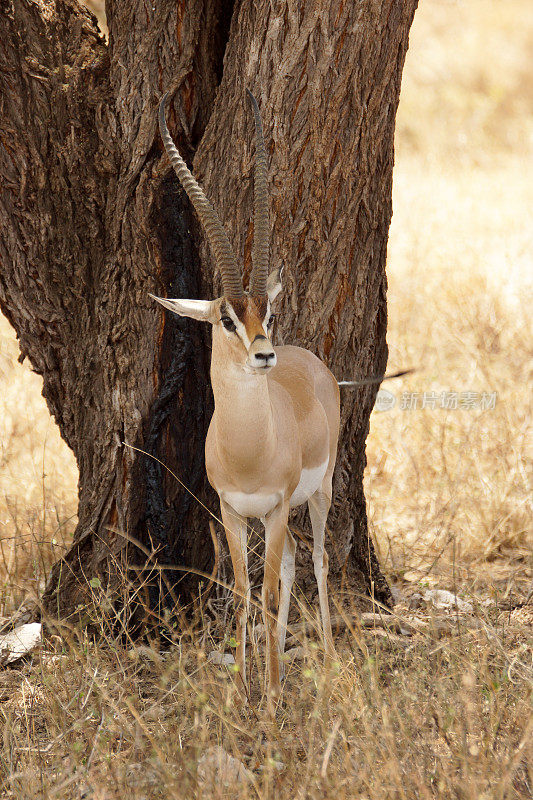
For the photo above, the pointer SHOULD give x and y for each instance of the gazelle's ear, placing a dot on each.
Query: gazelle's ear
(203, 310)
(274, 283)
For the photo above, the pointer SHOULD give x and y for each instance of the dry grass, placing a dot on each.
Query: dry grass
(38, 477)
(437, 714)
(443, 713)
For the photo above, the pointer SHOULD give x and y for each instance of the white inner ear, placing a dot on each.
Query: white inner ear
(274, 284)
(195, 309)
(267, 317)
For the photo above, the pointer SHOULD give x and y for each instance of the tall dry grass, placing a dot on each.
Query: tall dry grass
(440, 708)
(432, 715)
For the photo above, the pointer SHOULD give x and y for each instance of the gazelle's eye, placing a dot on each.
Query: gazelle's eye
(271, 320)
(228, 324)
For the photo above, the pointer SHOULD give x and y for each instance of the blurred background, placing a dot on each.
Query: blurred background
(447, 489)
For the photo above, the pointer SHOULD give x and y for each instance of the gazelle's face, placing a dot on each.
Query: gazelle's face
(241, 326)
(246, 325)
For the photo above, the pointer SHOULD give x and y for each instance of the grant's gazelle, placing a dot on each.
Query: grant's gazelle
(272, 441)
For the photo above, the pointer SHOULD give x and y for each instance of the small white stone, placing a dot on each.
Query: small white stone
(20, 642)
(216, 767)
(441, 598)
(221, 659)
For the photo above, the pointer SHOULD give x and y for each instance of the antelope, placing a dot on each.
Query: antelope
(272, 440)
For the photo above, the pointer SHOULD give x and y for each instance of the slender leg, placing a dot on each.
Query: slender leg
(236, 534)
(319, 505)
(288, 571)
(275, 534)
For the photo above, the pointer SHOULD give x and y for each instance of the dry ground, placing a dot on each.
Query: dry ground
(440, 708)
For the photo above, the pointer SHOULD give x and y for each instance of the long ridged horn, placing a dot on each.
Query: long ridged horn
(258, 278)
(216, 235)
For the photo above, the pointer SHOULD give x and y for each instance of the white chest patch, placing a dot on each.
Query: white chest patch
(251, 505)
(310, 480)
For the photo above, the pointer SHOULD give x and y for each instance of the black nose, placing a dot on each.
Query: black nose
(264, 356)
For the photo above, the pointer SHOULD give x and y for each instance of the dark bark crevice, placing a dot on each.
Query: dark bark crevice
(175, 431)
(179, 416)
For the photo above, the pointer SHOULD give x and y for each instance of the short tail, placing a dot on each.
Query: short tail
(376, 378)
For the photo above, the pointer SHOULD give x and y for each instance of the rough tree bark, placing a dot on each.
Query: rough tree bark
(92, 219)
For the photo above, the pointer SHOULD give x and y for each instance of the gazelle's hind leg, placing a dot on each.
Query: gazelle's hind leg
(236, 534)
(319, 504)
(288, 571)
(275, 534)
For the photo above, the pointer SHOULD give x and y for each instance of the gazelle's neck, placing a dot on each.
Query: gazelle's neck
(245, 432)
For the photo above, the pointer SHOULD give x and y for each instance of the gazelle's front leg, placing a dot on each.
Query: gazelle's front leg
(288, 571)
(236, 534)
(275, 533)
(319, 504)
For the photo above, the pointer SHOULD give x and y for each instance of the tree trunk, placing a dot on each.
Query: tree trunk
(92, 219)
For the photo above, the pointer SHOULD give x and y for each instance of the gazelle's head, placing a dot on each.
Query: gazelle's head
(242, 321)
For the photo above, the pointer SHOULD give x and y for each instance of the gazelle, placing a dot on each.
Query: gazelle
(272, 441)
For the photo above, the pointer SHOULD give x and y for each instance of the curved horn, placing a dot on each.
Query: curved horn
(258, 278)
(216, 235)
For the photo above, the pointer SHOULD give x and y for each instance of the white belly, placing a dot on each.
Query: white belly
(251, 505)
(259, 505)
(310, 480)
